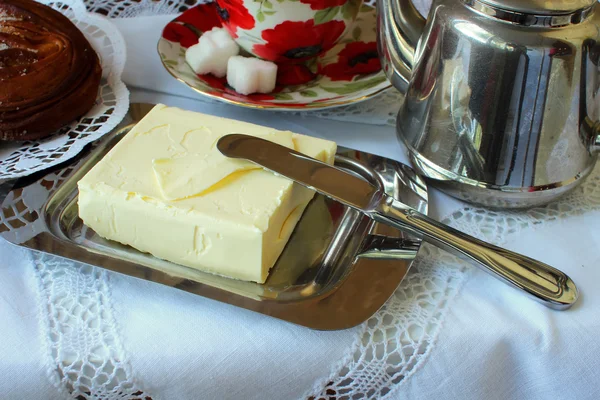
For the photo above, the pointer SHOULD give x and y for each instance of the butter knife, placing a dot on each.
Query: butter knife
(544, 283)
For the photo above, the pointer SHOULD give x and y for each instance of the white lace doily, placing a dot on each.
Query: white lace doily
(24, 158)
(83, 345)
(85, 355)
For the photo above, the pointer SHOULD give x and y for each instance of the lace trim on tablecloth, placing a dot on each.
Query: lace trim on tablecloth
(82, 340)
(86, 358)
(397, 340)
(24, 158)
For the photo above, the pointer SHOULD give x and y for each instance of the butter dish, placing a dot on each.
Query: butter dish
(337, 269)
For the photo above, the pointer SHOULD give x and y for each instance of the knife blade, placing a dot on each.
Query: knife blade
(544, 283)
(319, 176)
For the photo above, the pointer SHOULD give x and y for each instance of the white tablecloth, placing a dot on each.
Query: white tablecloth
(489, 340)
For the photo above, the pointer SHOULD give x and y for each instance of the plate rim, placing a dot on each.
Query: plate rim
(282, 107)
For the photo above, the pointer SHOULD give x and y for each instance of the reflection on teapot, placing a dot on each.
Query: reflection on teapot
(502, 97)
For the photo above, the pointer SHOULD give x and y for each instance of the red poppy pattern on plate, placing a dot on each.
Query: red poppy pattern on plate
(349, 72)
(234, 15)
(284, 45)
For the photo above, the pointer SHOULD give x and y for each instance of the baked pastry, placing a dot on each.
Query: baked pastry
(49, 73)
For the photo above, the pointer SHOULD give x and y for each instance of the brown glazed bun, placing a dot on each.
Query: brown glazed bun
(49, 73)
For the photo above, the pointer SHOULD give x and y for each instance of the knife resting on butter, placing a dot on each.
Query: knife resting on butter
(165, 189)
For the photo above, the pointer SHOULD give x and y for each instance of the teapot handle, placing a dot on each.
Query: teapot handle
(399, 27)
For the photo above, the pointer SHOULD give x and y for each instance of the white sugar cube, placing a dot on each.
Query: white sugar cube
(211, 53)
(251, 75)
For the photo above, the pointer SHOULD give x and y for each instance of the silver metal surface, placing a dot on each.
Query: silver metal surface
(502, 98)
(548, 285)
(533, 17)
(399, 28)
(338, 268)
(541, 6)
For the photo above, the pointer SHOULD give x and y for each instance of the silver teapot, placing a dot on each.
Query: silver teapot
(502, 97)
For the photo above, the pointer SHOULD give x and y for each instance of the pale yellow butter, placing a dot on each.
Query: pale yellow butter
(165, 189)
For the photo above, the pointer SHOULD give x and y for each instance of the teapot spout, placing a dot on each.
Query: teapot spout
(399, 27)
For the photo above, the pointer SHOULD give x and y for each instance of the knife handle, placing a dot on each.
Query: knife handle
(544, 283)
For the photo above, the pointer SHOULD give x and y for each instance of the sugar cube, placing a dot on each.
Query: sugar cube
(251, 75)
(211, 53)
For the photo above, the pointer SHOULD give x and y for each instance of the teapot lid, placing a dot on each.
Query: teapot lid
(540, 6)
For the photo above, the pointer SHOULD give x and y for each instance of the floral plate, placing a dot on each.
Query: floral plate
(348, 73)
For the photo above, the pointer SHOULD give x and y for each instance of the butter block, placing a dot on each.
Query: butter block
(165, 189)
(177, 181)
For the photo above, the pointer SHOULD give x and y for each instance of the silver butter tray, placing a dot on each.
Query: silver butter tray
(336, 271)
